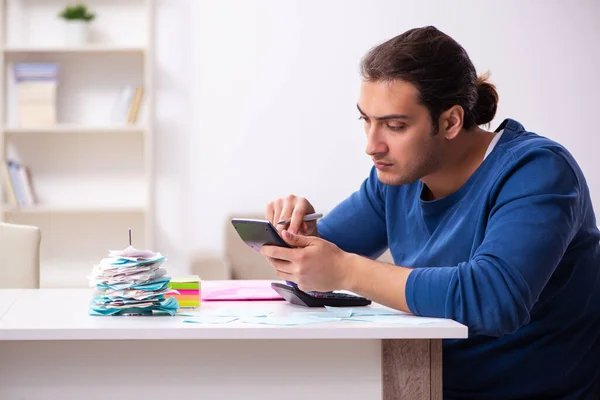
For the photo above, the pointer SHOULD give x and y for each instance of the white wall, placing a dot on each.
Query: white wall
(274, 86)
(172, 124)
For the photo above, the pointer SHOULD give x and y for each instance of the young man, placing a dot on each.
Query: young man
(492, 229)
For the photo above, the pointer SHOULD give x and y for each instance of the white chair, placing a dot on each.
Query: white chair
(19, 256)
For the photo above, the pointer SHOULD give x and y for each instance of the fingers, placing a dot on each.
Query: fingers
(298, 218)
(286, 212)
(310, 228)
(283, 275)
(277, 252)
(283, 269)
(297, 241)
(269, 211)
(277, 208)
(292, 208)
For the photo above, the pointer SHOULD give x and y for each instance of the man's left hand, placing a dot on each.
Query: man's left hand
(314, 264)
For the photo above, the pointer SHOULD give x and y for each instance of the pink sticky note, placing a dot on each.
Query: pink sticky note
(238, 290)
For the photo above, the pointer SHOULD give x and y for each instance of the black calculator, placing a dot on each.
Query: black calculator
(318, 299)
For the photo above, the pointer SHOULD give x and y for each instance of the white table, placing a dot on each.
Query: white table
(51, 348)
(7, 298)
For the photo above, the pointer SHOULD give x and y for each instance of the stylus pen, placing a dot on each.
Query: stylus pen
(307, 217)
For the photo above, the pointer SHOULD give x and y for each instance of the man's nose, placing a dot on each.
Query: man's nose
(375, 143)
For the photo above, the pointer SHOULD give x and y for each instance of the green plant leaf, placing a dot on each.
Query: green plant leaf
(76, 12)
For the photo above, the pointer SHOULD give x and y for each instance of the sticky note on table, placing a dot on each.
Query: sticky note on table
(339, 313)
(395, 319)
(380, 315)
(210, 320)
(364, 311)
(228, 312)
(289, 320)
(189, 290)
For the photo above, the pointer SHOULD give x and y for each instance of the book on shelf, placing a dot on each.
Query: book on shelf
(18, 184)
(33, 87)
(127, 105)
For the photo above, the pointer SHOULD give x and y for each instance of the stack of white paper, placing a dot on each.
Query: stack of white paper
(131, 282)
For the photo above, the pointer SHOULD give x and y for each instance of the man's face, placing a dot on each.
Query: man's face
(400, 136)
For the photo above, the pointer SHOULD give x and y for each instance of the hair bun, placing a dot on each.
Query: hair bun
(487, 102)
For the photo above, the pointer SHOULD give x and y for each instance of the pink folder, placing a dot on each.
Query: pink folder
(238, 290)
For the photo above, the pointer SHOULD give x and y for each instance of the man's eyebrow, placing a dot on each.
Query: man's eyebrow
(385, 117)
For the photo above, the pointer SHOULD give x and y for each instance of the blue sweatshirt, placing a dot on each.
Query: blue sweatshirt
(514, 255)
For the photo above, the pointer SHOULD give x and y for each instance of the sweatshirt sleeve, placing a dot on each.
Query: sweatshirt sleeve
(533, 218)
(357, 225)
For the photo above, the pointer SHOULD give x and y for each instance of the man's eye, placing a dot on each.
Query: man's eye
(396, 128)
(364, 118)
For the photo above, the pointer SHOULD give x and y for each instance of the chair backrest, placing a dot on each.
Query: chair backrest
(19, 256)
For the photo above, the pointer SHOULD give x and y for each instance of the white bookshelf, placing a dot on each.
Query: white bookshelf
(74, 128)
(93, 178)
(75, 209)
(92, 49)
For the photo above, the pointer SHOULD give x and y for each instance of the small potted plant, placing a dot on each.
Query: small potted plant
(77, 18)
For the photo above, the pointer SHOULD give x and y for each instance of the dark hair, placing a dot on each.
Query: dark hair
(439, 68)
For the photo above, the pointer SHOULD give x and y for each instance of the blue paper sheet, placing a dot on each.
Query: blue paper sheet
(289, 320)
(364, 311)
(227, 312)
(395, 319)
(257, 315)
(210, 320)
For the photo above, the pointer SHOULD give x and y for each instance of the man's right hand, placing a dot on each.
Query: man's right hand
(295, 208)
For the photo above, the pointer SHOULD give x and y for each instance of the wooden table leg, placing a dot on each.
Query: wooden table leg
(411, 369)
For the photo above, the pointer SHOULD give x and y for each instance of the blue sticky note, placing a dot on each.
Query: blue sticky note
(210, 320)
(228, 312)
(406, 319)
(333, 313)
(364, 311)
(289, 320)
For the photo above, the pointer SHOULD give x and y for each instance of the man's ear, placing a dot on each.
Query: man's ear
(451, 122)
